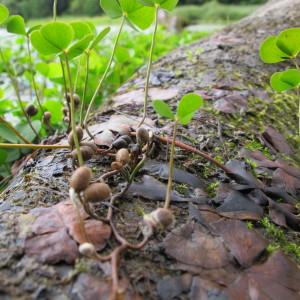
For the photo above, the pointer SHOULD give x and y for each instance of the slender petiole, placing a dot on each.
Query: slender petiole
(105, 72)
(32, 146)
(32, 75)
(171, 168)
(66, 90)
(17, 91)
(72, 112)
(54, 10)
(150, 66)
(87, 66)
(17, 133)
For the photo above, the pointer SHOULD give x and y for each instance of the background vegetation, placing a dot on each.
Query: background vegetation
(43, 8)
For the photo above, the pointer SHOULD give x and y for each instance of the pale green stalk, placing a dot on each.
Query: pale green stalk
(105, 73)
(150, 66)
(171, 168)
(17, 91)
(72, 113)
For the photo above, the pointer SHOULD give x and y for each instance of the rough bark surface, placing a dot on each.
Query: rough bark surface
(226, 70)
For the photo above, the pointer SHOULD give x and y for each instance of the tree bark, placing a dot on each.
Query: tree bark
(226, 70)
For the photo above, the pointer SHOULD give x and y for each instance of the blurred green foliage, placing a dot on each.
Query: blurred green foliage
(43, 8)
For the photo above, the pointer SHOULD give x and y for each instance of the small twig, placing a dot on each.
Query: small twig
(188, 148)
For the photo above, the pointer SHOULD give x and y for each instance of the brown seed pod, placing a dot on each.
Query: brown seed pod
(76, 99)
(65, 111)
(80, 179)
(97, 192)
(86, 152)
(115, 165)
(124, 129)
(142, 136)
(47, 117)
(91, 145)
(87, 249)
(79, 132)
(66, 120)
(163, 217)
(160, 218)
(123, 156)
(31, 110)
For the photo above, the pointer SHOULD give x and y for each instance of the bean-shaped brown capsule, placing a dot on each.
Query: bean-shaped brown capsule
(79, 132)
(31, 110)
(123, 156)
(65, 111)
(76, 99)
(86, 152)
(97, 192)
(80, 179)
(116, 165)
(47, 117)
(91, 145)
(163, 217)
(142, 136)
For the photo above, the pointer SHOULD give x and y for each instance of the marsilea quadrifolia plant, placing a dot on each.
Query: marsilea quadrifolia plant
(63, 46)
(283, 47)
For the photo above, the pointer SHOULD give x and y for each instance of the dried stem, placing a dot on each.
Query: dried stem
(167, 140)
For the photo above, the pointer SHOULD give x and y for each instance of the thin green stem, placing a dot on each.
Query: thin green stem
(17, 133)
(32, 75)
(66, 91)
(105, 72)
(72, 113)
(77, 75)
(54, 10)
(171, 168)
(137, 168)
(87, 66)
(150, 67)
(32, 146)
(17, 91)
(298, 96)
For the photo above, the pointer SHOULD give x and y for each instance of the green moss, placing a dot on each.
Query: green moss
(280, 240)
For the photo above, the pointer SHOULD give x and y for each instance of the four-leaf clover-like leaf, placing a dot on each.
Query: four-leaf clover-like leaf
(186, 109)
(136, 13)
(278, 48)
(286, 80)
(164, 4)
